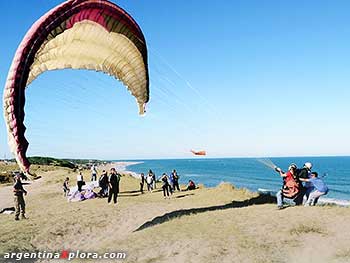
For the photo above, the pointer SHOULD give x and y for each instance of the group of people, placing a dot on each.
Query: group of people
(150, 180)
(109, 183)
(300, 185)
(80, 180)
(170, 183)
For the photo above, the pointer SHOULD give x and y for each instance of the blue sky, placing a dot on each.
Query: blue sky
(236, 78)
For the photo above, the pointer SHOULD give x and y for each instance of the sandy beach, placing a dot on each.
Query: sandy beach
(220, 224)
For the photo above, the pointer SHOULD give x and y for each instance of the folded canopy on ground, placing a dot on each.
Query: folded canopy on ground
(79, 34)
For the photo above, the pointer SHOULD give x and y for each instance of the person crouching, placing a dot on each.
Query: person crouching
(290, 188)
(320, 189)
(66, 187)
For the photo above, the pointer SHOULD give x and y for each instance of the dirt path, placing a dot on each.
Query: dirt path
(6, 193)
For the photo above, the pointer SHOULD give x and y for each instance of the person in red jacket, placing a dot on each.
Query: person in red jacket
(191, 185)
(291, 185)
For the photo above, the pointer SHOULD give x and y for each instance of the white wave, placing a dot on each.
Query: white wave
(322, 200)
(121, 166)
(334, 201)
(193, 175)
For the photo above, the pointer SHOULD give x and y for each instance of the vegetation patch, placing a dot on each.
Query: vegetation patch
(51, 161)
(306, 229)
(345, 254)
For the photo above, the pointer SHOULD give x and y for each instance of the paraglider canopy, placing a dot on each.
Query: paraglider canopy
(199, 152)
(79, 34)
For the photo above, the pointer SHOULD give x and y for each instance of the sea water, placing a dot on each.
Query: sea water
(250, 173)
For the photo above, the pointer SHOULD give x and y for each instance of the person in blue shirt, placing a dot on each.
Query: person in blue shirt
(320, 188)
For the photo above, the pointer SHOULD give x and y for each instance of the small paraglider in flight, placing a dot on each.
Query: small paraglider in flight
(77, 34)
(199, 152)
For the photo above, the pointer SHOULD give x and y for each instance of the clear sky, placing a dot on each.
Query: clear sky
(235, 78)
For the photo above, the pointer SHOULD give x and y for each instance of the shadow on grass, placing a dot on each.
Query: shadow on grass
(130, 192)
(182, 196)
(125, 195)
(259, 200)
(137, 192)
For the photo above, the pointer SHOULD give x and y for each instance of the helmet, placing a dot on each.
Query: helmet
(308, 165)
(292, 166)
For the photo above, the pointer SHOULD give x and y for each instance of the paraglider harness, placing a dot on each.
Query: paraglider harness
(291, 186)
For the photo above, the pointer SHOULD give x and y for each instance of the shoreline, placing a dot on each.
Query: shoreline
(322, 200)
(121, 167)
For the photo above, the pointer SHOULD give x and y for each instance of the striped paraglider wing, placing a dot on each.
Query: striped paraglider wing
(79, 34)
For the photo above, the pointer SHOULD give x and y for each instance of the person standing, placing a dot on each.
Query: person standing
(175, 180)
(66, 187)
(142, 182)
(149, 181)
(170, 184)
(93, 173)
(113, 183)
(18, 191)
(80, 181)
(305, 173)
(103, 183)
(154, 179)
(165, 185)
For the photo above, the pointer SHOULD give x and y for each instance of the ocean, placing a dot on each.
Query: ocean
(250, 173)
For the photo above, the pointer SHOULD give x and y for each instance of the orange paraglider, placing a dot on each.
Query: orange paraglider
(199, 152)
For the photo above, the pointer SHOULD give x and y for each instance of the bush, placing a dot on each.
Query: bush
(51, 161)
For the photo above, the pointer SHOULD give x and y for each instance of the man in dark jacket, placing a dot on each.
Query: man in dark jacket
(103, 183)
(307, 187)
(142, 182)
(18, 191)
(113, 184)
(305, 172)
(175, 178)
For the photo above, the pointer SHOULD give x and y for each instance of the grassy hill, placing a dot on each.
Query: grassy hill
(221, 224)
